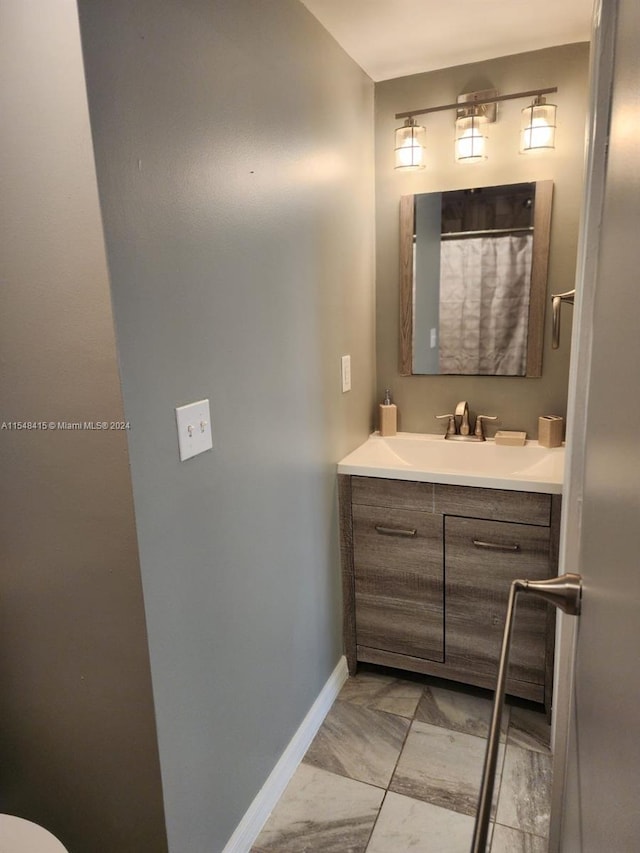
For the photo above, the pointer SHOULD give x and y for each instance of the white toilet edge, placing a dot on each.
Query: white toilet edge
(18, 835)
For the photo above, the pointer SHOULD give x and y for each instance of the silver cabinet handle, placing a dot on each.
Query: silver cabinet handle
(495, 546)
(396, 531)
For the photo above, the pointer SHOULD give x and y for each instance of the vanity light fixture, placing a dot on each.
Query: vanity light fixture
(471, 144)
(538, 129)
(410, 140)
(473, 111)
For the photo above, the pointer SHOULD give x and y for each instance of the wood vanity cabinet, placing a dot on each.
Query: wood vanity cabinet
(399, 597)
(426, 576)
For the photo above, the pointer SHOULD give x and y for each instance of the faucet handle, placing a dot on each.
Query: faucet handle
(451, 425)
(479, 430)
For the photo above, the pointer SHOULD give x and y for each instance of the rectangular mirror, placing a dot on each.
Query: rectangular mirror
(474, 279)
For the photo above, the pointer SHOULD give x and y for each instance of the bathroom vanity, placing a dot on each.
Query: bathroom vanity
(432, 534)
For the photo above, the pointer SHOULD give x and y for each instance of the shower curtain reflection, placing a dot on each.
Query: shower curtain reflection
(484, 304)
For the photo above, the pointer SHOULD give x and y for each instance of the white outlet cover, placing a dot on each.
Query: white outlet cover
(194, 429)
(345, 363)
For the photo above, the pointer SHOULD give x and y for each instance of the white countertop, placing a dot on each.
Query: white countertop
(432, 459)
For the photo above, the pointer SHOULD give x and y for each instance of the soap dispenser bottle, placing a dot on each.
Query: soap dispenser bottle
(388, 415)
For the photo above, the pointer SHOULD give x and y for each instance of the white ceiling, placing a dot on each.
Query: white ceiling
(393, 38)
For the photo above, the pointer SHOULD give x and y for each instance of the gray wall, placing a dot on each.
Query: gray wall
(234, 153)
(78, 749)
(517, 401)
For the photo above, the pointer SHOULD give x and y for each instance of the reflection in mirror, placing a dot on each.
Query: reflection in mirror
(473, 284)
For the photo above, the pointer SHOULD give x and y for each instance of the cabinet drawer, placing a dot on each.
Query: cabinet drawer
(398, 494)
(481, 559)
(495, 504)
(398, 581)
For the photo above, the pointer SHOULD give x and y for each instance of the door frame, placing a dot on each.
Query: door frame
(597, 133)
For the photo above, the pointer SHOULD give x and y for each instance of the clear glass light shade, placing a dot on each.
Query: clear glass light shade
(471, 144)
(538, 128)
(409, 150)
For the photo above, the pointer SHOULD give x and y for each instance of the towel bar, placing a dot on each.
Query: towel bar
(565, 592)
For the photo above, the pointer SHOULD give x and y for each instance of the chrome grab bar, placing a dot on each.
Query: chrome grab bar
(556, 303)
(565, 592)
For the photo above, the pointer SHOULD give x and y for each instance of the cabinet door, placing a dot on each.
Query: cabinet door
(398, 581)
(481, 560)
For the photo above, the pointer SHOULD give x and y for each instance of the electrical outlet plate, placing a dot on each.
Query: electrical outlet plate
(194, 429)
(346, 373)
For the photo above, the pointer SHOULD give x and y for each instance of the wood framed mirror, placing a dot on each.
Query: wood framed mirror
(473, 280)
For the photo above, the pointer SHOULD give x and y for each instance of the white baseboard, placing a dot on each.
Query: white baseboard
(256, 815)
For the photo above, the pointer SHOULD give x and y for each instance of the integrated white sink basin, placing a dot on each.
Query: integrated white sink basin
(432, 459)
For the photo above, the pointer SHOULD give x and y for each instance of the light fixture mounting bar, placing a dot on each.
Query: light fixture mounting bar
(494, 100)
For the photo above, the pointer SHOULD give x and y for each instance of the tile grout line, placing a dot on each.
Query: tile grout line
(411, 718)
(504, 756)
(471, 734)
(504, 759)
(395, 766)
(524, 832)
(452, 731)
(375, 822)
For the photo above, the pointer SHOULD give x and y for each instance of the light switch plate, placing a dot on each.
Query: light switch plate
(346, 373)
(194, 429)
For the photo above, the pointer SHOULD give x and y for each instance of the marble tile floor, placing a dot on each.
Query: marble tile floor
(396, 768)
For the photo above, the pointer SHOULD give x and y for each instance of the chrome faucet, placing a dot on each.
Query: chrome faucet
(462, 412)
(459, 428)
